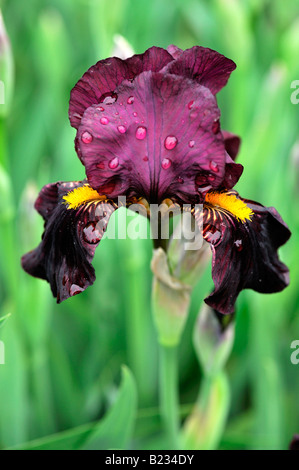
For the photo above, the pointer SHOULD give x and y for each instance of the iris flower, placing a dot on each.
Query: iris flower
(148, 128)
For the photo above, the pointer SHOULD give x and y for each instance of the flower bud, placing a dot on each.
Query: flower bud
(187, 264)
(212, 341)
(171, 299)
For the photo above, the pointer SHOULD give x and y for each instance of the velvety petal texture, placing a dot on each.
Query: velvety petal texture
(125, 110)
(64, 256)
(160, 138)
(98, 83)
(148, 128)
(232, 144)
(244, 254)
(207, 67)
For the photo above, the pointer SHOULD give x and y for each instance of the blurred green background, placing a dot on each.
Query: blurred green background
(63, 362)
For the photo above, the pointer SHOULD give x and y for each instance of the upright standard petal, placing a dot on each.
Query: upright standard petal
(244, 237)
(158, 140)
(233, 170)
(76, 217)
(99, 82)
(205, 66)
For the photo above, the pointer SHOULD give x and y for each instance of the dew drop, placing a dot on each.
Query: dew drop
(121, 129)
(201, 180)
(211, 178)
(214, 166)
(108, 98)
(216, 126)
(130, 100)
(170, 142)
(113, 163)
(239, 245)
(135, 114)
(100, 108)
(86, 137)
(91, 233)
(140, 133)
(74, 290)
(104, 120)
(145, 159)
(190, 104)
(191, 143)
(166, 163)
(180, 180)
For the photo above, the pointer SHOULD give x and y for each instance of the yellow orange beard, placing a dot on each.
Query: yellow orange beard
(81, 195)
(229, 203)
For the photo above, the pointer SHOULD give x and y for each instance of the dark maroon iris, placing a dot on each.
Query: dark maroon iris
(149, 127)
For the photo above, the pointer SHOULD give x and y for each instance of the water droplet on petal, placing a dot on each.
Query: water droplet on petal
(86, 137)
(190, 104)
(239, 245)
(92, 233)
(180, 180)
(214, 166)
(100, 108)
(108, 98)
(74, 290)
(170, 142)
(166, 163)
(140, 133)
(104, 120)
(145, 159)
(134, 114)
(130, 100)
(201, 180)
(113, 163)
(191, 143)
(216, 126)
(211, 178)
(121, 129)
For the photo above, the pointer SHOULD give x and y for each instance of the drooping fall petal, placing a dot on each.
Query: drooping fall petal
(244, 252)
(71, 235)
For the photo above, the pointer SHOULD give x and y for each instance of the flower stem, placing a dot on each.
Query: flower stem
(169, 407)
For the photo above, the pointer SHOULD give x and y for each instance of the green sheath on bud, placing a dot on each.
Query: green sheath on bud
(171, 299)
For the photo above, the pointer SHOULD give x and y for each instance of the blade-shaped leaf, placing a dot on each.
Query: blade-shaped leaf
(114, 431)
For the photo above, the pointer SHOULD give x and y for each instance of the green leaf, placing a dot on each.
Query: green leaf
(114, 431)
(4, 319)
